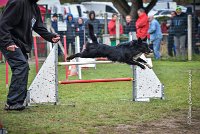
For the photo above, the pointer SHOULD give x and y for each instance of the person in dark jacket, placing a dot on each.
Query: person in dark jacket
(80, 31)
(130, 26)
(70, 33)
(179, 27)
(54, 22)
(94, 22)
(17, 21)
(170, 44)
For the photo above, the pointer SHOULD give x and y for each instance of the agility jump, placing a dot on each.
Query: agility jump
(44, 88)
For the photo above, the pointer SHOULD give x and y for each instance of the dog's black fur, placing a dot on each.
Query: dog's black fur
(129, 52)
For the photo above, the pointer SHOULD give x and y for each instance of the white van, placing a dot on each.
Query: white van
(163, 8)
(100, 8)
(77, 10)
(53, 5)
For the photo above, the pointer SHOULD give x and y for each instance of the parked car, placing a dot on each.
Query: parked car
(53, 5)
(77, 10)
(162, 8)
(100, 8)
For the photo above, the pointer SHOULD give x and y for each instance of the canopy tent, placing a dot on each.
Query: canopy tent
(3, 2)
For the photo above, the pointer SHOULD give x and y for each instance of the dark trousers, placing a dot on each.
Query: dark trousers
(72, 42)
(170, 45)
(18, 62)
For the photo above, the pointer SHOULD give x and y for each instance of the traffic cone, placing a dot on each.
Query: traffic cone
(72, 70)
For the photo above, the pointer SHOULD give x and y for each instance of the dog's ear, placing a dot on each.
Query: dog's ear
(91, 33)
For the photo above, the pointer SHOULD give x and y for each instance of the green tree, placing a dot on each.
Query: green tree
(124, 8)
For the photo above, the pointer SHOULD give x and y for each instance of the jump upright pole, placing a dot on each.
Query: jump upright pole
(36, 54)
(44, 88)
(65, 55)
(95, 80)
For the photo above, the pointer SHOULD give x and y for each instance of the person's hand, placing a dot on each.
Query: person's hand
(56, 38)
(12, 48)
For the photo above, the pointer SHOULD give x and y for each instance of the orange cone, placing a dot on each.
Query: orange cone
(72, 70)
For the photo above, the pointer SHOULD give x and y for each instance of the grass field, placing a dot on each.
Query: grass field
(107, 107)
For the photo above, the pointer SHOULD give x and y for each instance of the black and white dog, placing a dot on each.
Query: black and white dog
(129, 52)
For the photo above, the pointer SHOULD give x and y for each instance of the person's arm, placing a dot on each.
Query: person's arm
(152, 28)
(10, 18)
(42, 31)
(99, 27)
(86, 27)
(172, 23)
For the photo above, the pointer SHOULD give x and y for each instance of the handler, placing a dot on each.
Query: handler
(18, 20)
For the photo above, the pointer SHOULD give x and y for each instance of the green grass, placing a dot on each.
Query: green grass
(103, 104)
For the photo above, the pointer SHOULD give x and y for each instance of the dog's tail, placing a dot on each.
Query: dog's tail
(91, 33)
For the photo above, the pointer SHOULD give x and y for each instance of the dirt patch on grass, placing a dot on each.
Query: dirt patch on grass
(176, 124)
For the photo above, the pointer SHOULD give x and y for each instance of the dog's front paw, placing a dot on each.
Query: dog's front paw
(68, 59)
(150, 67)
(142, 66)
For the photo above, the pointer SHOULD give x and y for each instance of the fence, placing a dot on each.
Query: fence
(102, 29)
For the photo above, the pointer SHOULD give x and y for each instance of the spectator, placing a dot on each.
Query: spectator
(54, 22)
(155, 36)
(17, 21)
(179, 27)
(164, 30)
(80, 31)
(93, 21)
(164, 27)
(70, 33)
(170, 44)
(129, 27)
(112, 25)
(195, 34)
(142, 25)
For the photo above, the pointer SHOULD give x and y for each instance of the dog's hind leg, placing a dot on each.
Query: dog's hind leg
(73, 56)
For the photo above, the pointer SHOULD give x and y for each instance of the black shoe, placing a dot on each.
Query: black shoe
(16, 107)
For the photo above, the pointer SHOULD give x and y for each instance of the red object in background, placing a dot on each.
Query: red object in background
(41, 47)
(43, 11)
(112, 28)
(1, 125)
(1, 56)
(95, 80)
(36, 54)
(142, 26)
(3, 2)
(164, 27)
